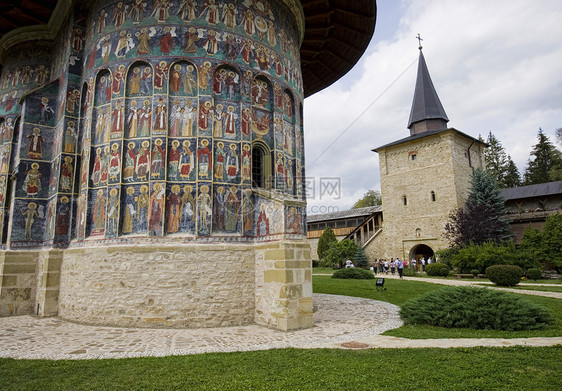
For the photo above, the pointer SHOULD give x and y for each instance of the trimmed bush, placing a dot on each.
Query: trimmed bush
(534, 274)
(476, 308)
(504, 275)
(353, 273)
(437, 269)
(475, 272)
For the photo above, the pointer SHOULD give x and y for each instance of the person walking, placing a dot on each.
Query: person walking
(400, 266)
(392, 266)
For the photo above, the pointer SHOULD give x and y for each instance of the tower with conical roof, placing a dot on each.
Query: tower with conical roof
(423, 177)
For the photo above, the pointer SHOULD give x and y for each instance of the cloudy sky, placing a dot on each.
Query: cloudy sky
(496, 65)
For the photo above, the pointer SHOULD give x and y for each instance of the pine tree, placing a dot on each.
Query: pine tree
(359, 258)
(480, 220)
(546, 162)
(496, 159)
(326, 239)
(512, 177)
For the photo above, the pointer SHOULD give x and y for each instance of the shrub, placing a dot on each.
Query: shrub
(326, 239)
(437, 269)
(338, 253)
(359, 258)
(489, 254)
(446, 255)
(353, 273)
(475, 272)
(477, 308)
(534, 274)
(409, 271)
(504, 275)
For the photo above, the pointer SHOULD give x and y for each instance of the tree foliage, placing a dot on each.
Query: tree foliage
(370, 198)
(545, 164)
(359, 258)
(326, 239)
(339, 252)
(481, 256)
(480, 219)
(545, 246)
(499, 164)
(512, 177)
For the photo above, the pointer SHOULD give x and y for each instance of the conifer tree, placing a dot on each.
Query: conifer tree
(326, 239)
(496, 159)
(546, 162)
(512, 177)
(480, 220)
(359, 258)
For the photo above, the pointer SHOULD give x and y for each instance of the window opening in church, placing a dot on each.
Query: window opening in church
(414, 156)
(405, 199)
(257, 167)
(432, 196)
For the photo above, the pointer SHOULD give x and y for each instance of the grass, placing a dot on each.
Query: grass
(322, 270)
(517, 368)
(399, 291)
(535, 288)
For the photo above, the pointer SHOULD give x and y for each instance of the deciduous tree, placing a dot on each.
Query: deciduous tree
(370, 198)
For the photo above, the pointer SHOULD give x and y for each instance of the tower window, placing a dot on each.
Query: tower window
(432, 196)
(405, 199)
(413, 156)
(261, 166)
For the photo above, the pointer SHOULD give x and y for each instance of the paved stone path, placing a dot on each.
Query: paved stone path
(339, 322)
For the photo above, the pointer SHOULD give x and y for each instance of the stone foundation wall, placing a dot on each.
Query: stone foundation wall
(183, 286)
(18, 282)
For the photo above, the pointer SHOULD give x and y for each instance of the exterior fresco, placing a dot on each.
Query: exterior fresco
(142, 124)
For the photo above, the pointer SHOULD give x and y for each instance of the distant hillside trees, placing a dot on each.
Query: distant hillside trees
(370, 198)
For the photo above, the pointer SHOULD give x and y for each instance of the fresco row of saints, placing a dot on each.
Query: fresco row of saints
(183, 79)
(191, 209)
(256, 21)
(182, 160)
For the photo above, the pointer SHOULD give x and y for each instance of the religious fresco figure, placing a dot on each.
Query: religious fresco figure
(70, 138)
(217, 116)
(98, 217)
(141, 163)
(246, 121)
(175, 79)
(133, 119)
(246, 171)
(204, 160)
(32, 181)
(134, 82)
(124, 45)
(146, 82)
(136, 11)
(174, 161)
(220, 157)
(30, 213)
(280, 173)
(118, 14)
(219, 81)
(248, 22)
(219, 206)
(118, 77)
(211, 44)
(46, 110)
(156, 211)
(145, 122)
(112, 212)
(205, 114)
(191, 39)
(186, 11)
(114, 163)
(143, 46)
(143, 202)
(161, 10)
(263, 222)
(248, 211)
(63, 217)
(232, 164)
(160, 75)
(260, 92)
(229, 13)
(232, 210)
(212, 10)
(229, 122)
(187, 209)
(167, 40)
(230, 48)
(81, 215)
(189, 82)
(118, 118)
(160, 117)
(204, 210)
(67, 174)
(35, 144)
(173, 210)
(186, 164)
(231, 84)
(204, 75)
(129, 210)
(294, 221)
(156, 159)
(72, 101)
(130, 161)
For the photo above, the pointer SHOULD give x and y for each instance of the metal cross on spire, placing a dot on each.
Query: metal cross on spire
(419, 38)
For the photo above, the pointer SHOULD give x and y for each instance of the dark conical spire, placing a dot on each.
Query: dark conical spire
(427, 111)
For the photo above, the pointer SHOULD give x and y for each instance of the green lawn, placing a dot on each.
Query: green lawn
(322, 270)
(399, 291)
(535, 288)
(516, 368)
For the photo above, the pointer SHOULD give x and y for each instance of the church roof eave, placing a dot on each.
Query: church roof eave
(423, 135)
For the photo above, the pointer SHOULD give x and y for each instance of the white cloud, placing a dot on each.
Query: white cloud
(496, 65)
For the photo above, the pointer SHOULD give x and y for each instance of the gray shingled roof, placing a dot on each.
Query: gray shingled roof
(422, 135)
(426, 104)
(344, 214)
(540, 190)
